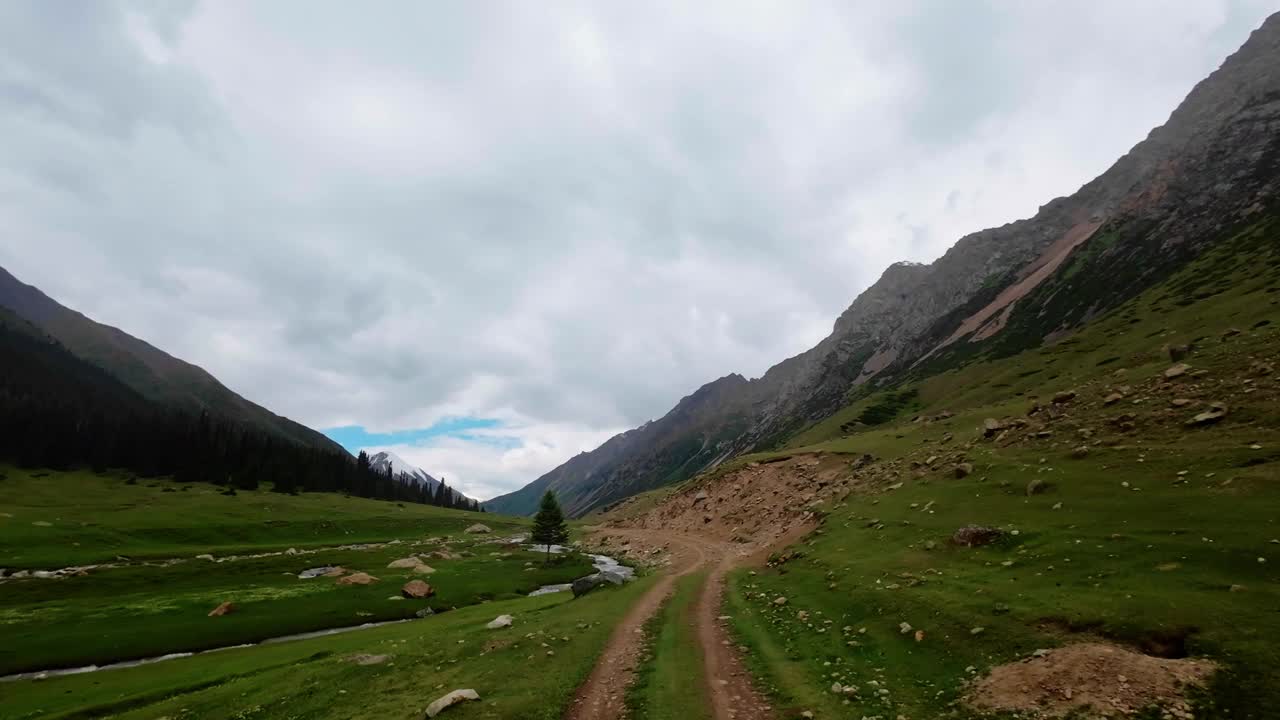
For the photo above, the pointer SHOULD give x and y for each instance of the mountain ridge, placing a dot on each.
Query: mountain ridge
(997, 290)
(150, 371)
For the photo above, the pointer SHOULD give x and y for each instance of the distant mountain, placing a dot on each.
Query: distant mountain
(404, 471)
(151, 372)
(61, 410)
(1214, 165)
(409, 474)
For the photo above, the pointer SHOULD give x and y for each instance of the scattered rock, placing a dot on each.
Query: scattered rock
(1065, 396)
(1177, 371)
(1177, 352)
(366, 659)
(780, 600)
(1081, 452)
(904, 627)
(225, 608)
(449, 700)
(423, 569)
(1215, 413)
(584, 585)
(415, 590)
(963, 470)
(702, 495)
(1112, 399)
(478, 528)
(501, 621)
(205, 556)
(404, 563)
(1037, 487)
(424, 612)
(991, 426)
(976, 536)
(357, 579)
(1181, 402)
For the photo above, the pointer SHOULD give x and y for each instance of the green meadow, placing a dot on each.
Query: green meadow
(1121, 522)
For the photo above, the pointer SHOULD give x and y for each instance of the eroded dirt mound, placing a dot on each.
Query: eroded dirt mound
(1096, 678)
(755, 504)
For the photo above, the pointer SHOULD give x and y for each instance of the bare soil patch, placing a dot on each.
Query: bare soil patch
(1092, 677)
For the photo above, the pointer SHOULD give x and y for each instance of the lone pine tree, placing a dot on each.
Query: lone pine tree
(549, 527)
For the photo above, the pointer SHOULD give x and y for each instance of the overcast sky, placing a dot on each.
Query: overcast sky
(490, 235)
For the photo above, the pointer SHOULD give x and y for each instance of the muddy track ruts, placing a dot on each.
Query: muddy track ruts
(729, 687)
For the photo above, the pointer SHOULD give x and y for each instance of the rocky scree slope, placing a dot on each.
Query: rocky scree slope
(1212, 166)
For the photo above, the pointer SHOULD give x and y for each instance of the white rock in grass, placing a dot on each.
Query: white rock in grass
(500, 622)
(456, 696)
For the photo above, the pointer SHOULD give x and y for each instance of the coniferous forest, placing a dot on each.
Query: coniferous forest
(58, 411)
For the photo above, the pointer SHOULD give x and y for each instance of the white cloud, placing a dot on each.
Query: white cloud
(482, 463)
(566, 216)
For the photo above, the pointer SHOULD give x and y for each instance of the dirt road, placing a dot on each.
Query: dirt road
(729, 685)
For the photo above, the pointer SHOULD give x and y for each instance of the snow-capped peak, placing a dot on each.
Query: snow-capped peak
(403, 469)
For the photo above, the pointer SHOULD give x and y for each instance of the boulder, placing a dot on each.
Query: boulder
(1065, 396)
(423, 569)
(1112, 399)
(1176, 371)
(1216, 412)
(501, 621)
(702, 495)
(584, 585)
(225, 608)
(1081, 452)
(449, 700)
(976, 536)
(479, 528)
(404, 563)
(1037, 487)
(1177, 352)
(357, 579)
(424, 612)
(991, 427)
(416, 590)
(963, 470)
(613, 577)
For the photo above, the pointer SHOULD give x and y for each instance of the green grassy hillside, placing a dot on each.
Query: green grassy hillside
(1120, 520)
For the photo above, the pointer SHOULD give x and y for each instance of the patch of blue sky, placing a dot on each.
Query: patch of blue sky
(356, 437)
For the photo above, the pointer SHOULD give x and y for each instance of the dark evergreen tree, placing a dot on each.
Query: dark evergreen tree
(549, 527)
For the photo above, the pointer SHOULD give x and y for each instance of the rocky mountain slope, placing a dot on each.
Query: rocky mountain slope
(149, 371)
(1210, 167)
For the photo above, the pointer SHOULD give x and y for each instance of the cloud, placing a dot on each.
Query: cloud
(482, 462)
(563, 217)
